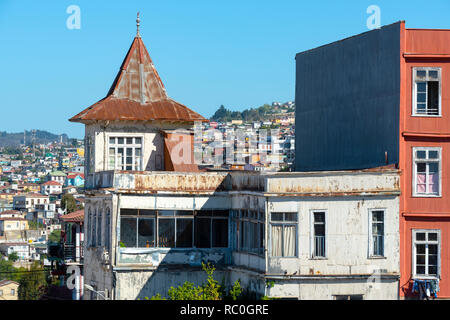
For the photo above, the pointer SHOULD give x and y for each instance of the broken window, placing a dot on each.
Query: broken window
(284, 234)
(125, 153)
(377, 233)
(319, 234)
(426, 255)
(426, 95)
(427, 164)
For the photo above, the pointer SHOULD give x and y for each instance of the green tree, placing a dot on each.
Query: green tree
(13, 256)
(33, 284)
(34, 225)
(68, 203)
(210, 290)
(55, 236)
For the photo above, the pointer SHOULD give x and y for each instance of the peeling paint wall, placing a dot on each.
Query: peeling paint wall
(345, 270)
(152, 140)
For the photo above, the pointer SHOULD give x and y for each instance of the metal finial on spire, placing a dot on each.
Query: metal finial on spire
(137, 25)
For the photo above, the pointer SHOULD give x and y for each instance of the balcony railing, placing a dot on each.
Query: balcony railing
(319, 246)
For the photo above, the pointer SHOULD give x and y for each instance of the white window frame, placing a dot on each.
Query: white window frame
(413, 251)
(370, 220)
(125, 146)
(312, 235)
(414, 91)
(414, 169)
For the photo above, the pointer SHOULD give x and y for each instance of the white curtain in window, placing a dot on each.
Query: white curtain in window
(289, 241)
(277, 240)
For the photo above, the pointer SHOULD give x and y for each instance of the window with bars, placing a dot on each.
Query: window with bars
(376, 233)
(427, 167)
(125, 153)
(426, 91)
(426, 253)
(284, 234)
(319, 248)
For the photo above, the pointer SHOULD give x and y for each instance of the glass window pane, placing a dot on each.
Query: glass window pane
(120, 140)
(432, 236)
(421, 167)
(420, 236)
(421, 107)
(433, 74)
(420, 260)
(128, 232)
(420, 249)
(421, 97)
(319, 217)
(128, 212)
(166, 212)
(420, 269)
(432, 260)
(432, 270)
(277, 240)
(290, 216)
(203, 232)
(184, 233)
(377, 216)
(432, 249)
(220, 233)
(276, 216)
(421, 86)
(146, 233)
(143, 212)
(112, 140)
(220, 213)
(421, 74)
(421, 154)
(433, 167)
(137, 140)
(433, 154)
(129, 140)
(166, 233)
(289, 249)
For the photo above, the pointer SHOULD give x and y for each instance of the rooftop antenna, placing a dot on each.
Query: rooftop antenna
(137, 25)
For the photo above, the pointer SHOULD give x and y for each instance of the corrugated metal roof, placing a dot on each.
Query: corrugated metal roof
(137, 93)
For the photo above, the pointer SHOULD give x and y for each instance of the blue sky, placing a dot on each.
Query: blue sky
(236, 53)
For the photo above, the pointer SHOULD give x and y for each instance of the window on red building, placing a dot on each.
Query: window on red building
(426, 91)
(427, 171)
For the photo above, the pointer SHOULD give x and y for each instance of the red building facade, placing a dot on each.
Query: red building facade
(424, 158)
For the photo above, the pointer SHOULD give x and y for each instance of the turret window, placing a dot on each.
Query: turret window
(125, 153)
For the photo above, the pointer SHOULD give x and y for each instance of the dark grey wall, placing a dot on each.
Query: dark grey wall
(347, 100)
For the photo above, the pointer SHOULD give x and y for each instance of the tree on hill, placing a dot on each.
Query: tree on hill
(68, 203)
(33, 284)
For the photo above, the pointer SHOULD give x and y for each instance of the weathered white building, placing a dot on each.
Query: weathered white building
(150, 221)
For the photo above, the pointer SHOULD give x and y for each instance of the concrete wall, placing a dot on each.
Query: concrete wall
(347, 269)
(347, 100)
